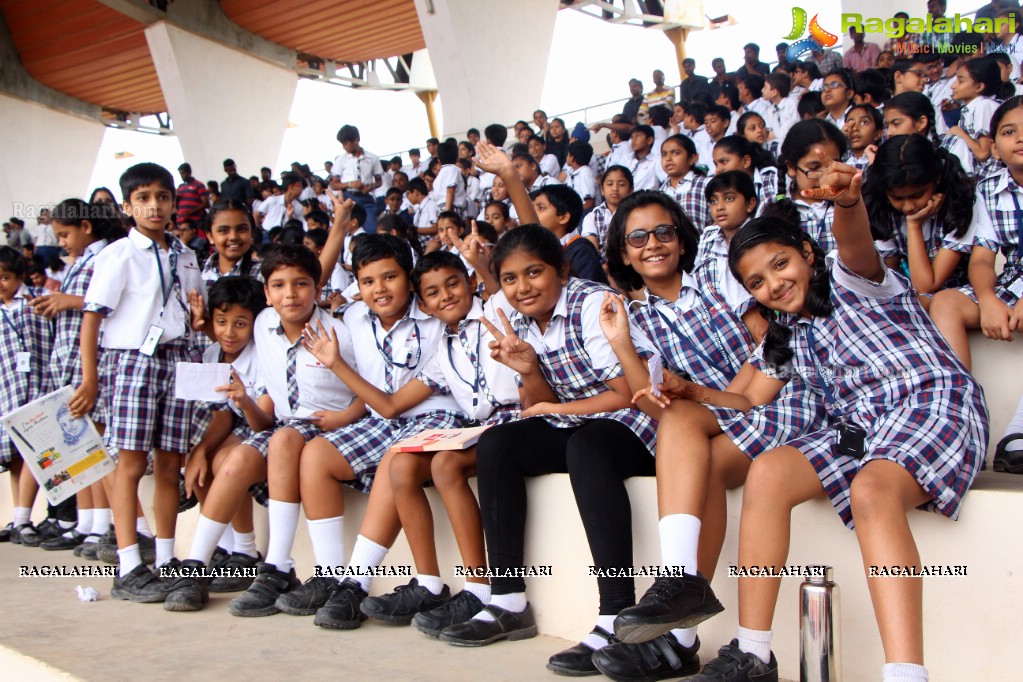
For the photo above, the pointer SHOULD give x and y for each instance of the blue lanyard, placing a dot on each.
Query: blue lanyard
(475, 385)
(164, 289)
(689, 344)
(407, 364)
(14, 327)
(819, 371)
(75, 269)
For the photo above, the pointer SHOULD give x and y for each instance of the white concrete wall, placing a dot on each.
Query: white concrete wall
(223, 103)
(45, 156)
(489, 58)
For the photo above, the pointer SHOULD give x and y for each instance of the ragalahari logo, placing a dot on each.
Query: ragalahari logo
(816, 41)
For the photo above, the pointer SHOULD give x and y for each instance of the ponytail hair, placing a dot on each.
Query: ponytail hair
(916, 105)
(779, 224)
(105, 218)
(740, 146)
(984, 71)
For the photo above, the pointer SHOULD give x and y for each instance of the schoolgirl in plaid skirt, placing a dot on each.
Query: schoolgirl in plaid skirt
(615, 185)
(977, 84)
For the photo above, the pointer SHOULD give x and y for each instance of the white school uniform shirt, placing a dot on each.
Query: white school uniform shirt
(543, 181)
(413, 171)
(386, 180)
(346, 249)
(306, 193)
(275, 215)
(318, 387)
(644, 172)
(414, 341)
(760, 106)
(340, 278)
(365, 168)
(660, 135)
(1015, 51)
(938, 92)
(512, 213)
(451, 369)
(817, 85)
(582, 181)
(840, 121)
(733, 123)
(425, 213)
(126, 285)
(247, 367)
(620, 155)
(326, 203)
(549, 165)
(781, 117)
(705, 148)
(449, 175)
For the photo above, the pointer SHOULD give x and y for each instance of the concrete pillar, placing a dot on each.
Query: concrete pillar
(479, 81)
(48, 155)
(223, 102)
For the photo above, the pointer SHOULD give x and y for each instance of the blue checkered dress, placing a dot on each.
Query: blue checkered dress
(597, 223)
(570, 372)
(893, 374)
(936, 240)
(1002, 198)
(765, 181)
(691, 195)
(22, 330)
(816, 220)
(211, 271)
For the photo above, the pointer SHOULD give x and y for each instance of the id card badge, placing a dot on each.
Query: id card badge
(148, 346)
(23, 361)
(1016, 288)
(851, 440)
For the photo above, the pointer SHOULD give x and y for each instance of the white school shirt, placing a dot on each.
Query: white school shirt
(318, 387)
(840, 121)
(386, 180)
(346, 248)
(582, 181)
(543, 181)
(275, 215)
(705, 148)
(733, 123)
(340, 278)
(781, 117)
(549, 165)
(512, 213)
(413, 171)
(247, 367)
(938, 92)
(414, 341)
(449, 175)
(424, 214)
(126, 285)
(1015, 51)
(620, 155)
(760, 106)
(365, 168)
(452, 370)
(644, 172)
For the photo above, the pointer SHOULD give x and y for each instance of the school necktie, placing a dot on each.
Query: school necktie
(388, 346)
(470, 352)
(292, 375)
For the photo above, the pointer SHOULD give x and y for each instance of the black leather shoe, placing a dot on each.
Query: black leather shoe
(65, 541)
(1006, 461)
(671, 602)
(458, 609)
(506, 625)
(402, 605)
(656, 659)
(732, 665)
(578, 660)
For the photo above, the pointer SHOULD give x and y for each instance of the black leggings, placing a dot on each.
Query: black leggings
(598, 457)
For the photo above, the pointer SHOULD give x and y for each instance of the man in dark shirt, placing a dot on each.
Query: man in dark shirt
(235, 186)
(721, 77)
(751, 52)
(693, 85)
(631, 108)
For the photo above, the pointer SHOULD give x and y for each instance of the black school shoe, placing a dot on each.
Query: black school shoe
(187, 591)
(26, 535)
(141, 586)
(401, 606)
(1009, 462)
(63, 542)
(656, 659)
(261, 597)
(107, 549)
(577, 661)
(235, 580)
(458, 609)
(6, 532)
(506, 625)
(309, 597)
(341, 612)
(50, 529)
(90, 550)
(733, 665)
(671, 602)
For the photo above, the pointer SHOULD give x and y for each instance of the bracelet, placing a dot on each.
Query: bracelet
(837, 203)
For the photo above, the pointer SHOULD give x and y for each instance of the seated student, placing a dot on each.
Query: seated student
(234, 305)
(811, 106)
(230, 230)
(871, 88)
(837, 96)
(615, 185)
(317, 220)
(394, 224)
(782, 114)
(705, 326)
(686, 182)
(528, 172)
(497, 214)
(35, 275)
(716, 122)
(491, 397)
(394, 199)
(802, 163)
(188, 233)
(473, 190)
(642, 164)
(1005, 67)
(910, 113)
(695, 128)
(728, 97)
(424, 217)
(26, 343)
(578, 174)
(448, 191)
(864, 127)
(753, 127)
(548, 162)
(559, 210)
(499, 193)
(735, 152)
(450, 227)
(404, 340)
(977, 85)
(279, 208)
(899, 442)
(908, 75)
(806, 77)
(302, 400)
(751, 90)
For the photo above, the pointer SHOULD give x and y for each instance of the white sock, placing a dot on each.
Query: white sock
(226, 541)
(431, 582)
(366, 554)
(515, 602)
(680, 538)
(66, 525)
(756, 642)
(164, 551)
(21, 515)
(1015, 426)
(283, 524)
(904, 672)
(481, 591)
(596, 642)
(686, 637)
(328, 540)
(84, 521)
(245, 543)
(128, 558)
(101, 518)
(142, 527)
(204, 541)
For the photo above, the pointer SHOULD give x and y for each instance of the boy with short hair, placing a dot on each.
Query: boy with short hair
(579, 175)
(424, 216)
(694, 122)
(278, 208)
(143, 309)
(560, 210)
(782, 114)
(751, 90)
(716, 121)
(642, 163)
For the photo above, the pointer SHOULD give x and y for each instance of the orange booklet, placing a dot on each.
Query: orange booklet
(435, 440)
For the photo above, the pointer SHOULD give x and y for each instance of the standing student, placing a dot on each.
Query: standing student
(230, 231)
(898, 440)
(976, 85)
(735, 152)
(642, 163)
(448, 187)
(686, 182)
(615, 185)
(139, 293)
(360, 172)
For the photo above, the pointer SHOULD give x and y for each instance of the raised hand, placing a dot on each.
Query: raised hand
(342, 208)
(322, 343)
(473, 250)
(197, 307)
(614, 319)
(508, 349)
(837, 181)
(235, 391)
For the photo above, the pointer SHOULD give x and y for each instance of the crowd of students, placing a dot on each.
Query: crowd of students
(805, 256)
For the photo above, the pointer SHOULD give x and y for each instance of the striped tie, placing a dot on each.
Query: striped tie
(293, 377)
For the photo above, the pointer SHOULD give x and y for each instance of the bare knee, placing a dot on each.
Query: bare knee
(448, 469)
(132, 465)
(873, 494)
(766, 483)
(408, 471)
(285, 447)
(947, 307)
(242, 467)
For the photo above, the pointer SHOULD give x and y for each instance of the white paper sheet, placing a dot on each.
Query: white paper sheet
(198, 381)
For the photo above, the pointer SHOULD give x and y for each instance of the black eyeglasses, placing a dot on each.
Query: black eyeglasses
(639, 238)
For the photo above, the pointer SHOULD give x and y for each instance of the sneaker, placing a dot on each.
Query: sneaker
(107, 550)
(671, 602)
(141, 586)
(341, 612)
(261, 597)
(6, 532)
(90, 550)
(656, 659)
(147, 548)
(577, 661)
(458, 609)
(401, 606)
(308, 598)
(219, 559)
(236, 567)
(1008, 461)
(187, 591)
(738, 666)
(26, 535)
(506, 625)
(61, 542)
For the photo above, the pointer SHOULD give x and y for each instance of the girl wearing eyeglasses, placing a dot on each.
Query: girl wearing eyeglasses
(803, 165)
(837, 96)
